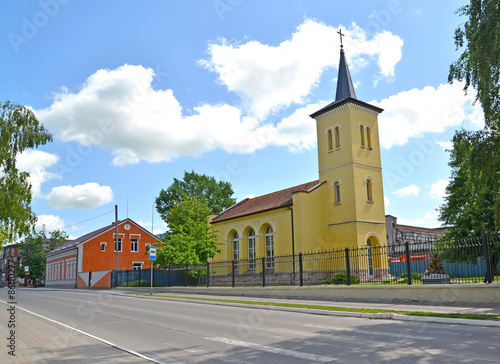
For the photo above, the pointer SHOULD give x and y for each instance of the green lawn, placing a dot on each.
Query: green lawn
(341, 309)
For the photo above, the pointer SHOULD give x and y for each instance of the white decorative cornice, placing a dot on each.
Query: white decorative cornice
(344, 106)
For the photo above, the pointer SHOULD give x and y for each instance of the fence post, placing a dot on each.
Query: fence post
(168, 276)
(208, 274)
(408, 262)
(232, 283)
(348, 266)
(139, 283)
(186, 275)
(126, 272)
(301, 270)
(263, 272)
(487, 258)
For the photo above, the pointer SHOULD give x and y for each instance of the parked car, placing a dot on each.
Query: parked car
(39, 283)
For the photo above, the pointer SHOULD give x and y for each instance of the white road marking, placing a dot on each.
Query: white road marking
(357, 331)
(195, 351)
(270, 349)
(90, 335)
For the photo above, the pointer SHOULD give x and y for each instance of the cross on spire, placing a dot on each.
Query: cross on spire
(341, 35)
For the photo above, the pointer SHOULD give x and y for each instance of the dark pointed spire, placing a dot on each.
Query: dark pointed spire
(344, 83)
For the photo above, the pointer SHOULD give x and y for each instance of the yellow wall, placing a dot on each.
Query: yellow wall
(354, 218)
(309, 218)
(279, 220)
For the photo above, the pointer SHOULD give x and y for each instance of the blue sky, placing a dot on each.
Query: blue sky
(135, 93)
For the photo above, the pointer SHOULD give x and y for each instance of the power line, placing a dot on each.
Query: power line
(80, 222)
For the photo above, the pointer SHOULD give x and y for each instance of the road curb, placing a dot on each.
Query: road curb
(371, 316)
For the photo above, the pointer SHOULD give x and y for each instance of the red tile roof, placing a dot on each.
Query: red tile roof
(438, 230)
(82, 239)
(267, 202)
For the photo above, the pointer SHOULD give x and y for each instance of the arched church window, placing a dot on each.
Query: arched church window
(269, 247)
(236, 250)
(362, 130)
(337, 137)
(336, 192)
(369, 191)
(251, 249)
(368, 137)
(330, 140)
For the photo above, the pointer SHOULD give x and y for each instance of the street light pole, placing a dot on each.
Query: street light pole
(116, 243)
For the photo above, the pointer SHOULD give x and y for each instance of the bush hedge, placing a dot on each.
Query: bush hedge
(341, 279)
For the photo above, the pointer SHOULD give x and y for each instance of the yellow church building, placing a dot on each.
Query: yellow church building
(343, 208)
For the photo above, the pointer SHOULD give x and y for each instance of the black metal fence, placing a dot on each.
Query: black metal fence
(471, 260)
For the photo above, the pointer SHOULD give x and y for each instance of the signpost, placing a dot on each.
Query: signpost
(26, 273)
(152, 258)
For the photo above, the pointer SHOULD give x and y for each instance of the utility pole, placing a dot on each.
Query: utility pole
(116, 243)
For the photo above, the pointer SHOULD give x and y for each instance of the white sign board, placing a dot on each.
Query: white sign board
(152, 253)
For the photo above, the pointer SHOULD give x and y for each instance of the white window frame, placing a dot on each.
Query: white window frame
(235, 248)
(103, 247)
(136, 242)
(269, 237)
(120, 245)
(134, 265)
(251, 249)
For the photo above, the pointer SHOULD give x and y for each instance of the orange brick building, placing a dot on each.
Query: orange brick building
(89, 260)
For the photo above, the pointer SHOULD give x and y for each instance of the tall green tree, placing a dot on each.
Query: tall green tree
(19, 130)
(472, 204)
(217, 195)
(479, 64)
(32, 251)
(191, 240)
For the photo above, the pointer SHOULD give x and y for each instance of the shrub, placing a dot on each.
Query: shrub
(141, 283)
(341, 278)
(414, 277)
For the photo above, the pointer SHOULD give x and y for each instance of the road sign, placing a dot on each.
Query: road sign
(26, 269)
(152, 253)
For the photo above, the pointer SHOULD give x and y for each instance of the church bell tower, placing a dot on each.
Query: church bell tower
(350, 164)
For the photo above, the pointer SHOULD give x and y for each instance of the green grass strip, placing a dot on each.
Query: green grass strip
(469, 316)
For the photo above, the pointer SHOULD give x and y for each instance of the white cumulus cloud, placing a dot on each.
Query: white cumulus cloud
(414, 222)
(37, 164)
(119, 110)
(50, 222)
(431, 214)
(438, 189)
(415, 113)
(87, 196)
(269, 78)
(408, 191)
(447, 145)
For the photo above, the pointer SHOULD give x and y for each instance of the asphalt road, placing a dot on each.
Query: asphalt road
(181, 332)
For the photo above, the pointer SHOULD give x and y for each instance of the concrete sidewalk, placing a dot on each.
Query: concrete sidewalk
(38, 340)
(449, 307)
(492, 309)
